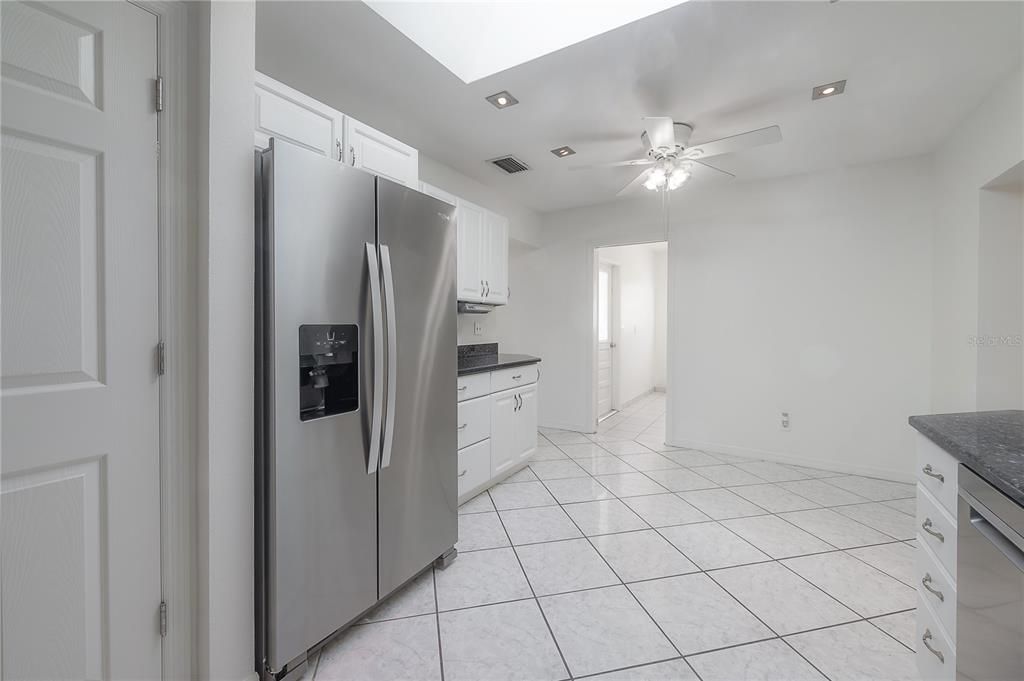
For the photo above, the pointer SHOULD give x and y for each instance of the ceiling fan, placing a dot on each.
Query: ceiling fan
(673, 162)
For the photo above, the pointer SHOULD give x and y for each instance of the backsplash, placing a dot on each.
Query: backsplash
(488, 323)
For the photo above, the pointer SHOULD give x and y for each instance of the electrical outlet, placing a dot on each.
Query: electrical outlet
(784, 421)
(478, 329)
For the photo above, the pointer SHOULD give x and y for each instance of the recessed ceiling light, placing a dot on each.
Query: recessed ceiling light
(562, 152)
(502, 100)
(828, 89)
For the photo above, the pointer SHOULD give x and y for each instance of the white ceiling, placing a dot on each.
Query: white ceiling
(914, 69)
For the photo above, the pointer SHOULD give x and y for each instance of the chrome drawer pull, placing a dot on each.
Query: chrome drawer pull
(926, 582)
(463, 426)
(463, 472)
(927, 527)
(517, 377)
(937, 653)
(463, 387)
(929, 471)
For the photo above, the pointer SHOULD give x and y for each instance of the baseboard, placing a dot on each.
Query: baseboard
(659, 389)
(562, 426)
(782, 457)
(635, 399)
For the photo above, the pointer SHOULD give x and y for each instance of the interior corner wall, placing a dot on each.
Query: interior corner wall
(224, 615)
(809, 294)
(987, 143)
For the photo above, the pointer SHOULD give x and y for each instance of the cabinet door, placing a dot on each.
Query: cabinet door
(526, 423)
(431, 190)
(377, 153)
(287, 114)
(470, 221)
(495, 258)
(504, 445)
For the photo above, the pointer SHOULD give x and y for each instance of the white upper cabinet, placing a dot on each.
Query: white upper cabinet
(495, 258)
(375, 152)
(470, 239)
(431, 190)
(286, 113)
(482, 255)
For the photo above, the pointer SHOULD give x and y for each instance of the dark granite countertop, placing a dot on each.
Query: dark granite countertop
(990, 443)
(501, 361)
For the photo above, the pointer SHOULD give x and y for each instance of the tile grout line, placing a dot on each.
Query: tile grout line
(536, 600)
(437, 619)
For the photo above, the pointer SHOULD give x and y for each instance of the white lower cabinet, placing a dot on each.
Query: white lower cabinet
(507, 418)
(936, 562)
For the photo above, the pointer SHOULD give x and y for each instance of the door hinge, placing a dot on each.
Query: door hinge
(161, 358)
(158, 93)
(163, 618)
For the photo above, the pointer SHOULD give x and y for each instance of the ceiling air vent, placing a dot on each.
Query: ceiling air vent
(510, 164)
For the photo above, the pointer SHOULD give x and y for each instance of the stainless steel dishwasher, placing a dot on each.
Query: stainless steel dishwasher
(990, 583)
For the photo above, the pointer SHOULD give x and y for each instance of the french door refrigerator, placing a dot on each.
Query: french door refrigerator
(356, 481)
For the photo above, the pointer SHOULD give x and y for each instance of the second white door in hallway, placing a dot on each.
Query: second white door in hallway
(606, 315)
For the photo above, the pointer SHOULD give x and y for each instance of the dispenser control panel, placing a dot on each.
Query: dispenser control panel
(328, 370)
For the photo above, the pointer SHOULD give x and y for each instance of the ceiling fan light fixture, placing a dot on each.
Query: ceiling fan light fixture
(677, 178)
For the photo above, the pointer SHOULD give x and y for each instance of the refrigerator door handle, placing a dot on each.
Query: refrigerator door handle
(378, 359)
(392, 333)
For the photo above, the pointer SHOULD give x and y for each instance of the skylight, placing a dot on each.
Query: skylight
(477, 39)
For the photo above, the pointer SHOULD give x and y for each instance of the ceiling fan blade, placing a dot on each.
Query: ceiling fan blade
(635, 184)
(701, 169)
(727, 145)
(660, 132)
(615, 164)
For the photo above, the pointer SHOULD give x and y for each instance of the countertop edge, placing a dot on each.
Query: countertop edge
(958, 450)
(518, 362)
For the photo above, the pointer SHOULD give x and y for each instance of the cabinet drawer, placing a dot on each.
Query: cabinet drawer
(473, 385)
(939, 662)
(937, 590)
(474, 421)
(505, 379)
(474, 466)
(936, 471)
(936, 530)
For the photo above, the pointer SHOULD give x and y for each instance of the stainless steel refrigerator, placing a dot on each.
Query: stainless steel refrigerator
(355, 396)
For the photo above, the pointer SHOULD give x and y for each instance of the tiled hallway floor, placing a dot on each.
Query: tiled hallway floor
(613, 555)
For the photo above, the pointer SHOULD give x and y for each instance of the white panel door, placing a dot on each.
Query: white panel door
(526, 423)
(495, 258)
(375, 152)
(503, 431)
(80, 528)
(286, 113)
(470, 239)
(605, 340)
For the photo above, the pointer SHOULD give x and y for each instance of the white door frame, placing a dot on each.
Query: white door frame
(177, 243)
(591, 350)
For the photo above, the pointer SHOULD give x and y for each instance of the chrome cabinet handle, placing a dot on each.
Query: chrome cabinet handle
(927, 527)
(463, 387)
(926, 582)
(929, 471)
(341, 154)
(352, 153)
(517, 377)
(463, 472)
(462, 427)
(481, 288)
(937, 653)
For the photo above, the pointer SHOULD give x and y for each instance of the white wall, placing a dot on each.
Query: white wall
(809, 294)
(524, 234)
(224, 470)
(660, 319)
(986, 144)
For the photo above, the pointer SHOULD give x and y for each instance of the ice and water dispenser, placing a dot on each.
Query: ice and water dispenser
(328, 370)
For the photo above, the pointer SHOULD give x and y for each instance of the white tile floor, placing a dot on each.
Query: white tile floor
(613, 556)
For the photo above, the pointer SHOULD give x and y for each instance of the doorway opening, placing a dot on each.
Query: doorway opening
(630, 329)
